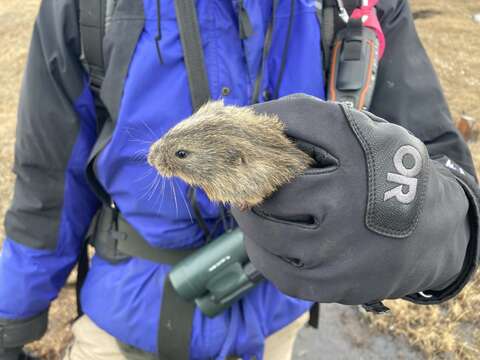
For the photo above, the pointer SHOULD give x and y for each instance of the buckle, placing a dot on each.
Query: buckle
(105, 237)
(376, 307)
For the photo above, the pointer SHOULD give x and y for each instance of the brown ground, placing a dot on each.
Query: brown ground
(449, 331)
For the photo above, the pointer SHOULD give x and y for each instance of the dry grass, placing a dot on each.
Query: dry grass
(447, 331)
(450, 331)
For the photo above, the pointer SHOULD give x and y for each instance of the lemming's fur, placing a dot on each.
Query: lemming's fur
(236, 155)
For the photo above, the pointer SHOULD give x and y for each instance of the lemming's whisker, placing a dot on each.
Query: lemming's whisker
(164, 180)
(132, 137)
(157, 185)
(157, 181)
(135, 132)
(157, 203)
(149, 129)
(140, 154)
(149, 188)
(184, 200)
(141, 141)
(147, 174)
(174, 197)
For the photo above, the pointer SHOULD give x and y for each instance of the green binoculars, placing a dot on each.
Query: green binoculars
(216, 275)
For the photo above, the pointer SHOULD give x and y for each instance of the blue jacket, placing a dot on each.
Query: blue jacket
(124, 299)
(53, 205)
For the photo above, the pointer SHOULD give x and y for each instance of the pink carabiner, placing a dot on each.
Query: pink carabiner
(368, 15)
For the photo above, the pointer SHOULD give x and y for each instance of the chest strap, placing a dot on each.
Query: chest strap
(116, 240)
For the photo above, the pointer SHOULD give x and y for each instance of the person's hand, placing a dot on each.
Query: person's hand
(374, 218)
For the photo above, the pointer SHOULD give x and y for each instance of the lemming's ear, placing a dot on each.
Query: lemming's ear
(234, 157)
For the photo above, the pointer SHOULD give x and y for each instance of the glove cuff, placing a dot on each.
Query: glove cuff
(16, 333)
(472, 192)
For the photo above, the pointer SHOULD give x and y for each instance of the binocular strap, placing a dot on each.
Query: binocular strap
(174, 330)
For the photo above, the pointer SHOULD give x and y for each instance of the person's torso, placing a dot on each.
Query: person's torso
(155, 96)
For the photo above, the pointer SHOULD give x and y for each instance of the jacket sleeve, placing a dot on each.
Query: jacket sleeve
(52, 204)
(408, 93)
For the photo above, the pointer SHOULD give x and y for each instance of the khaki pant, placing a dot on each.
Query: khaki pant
(92, 343)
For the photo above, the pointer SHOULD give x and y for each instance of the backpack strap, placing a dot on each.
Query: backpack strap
(92, 16)
(333, 16)
(94, 19)
(326, 18)
(192, 52)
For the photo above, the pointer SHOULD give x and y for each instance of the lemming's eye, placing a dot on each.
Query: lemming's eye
(181, 154)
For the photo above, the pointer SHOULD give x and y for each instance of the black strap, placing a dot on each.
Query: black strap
(132, 243)
(94, 19)
(82, 270)
(245, 28)
(102, 140)
(175, 326)
(285, 49)
(92, 29)
(314, 316)
(327, 21)
(192, 52)
(267, 44)
(115, 239)
(192, 197)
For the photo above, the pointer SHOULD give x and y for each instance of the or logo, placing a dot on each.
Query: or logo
(406, 174)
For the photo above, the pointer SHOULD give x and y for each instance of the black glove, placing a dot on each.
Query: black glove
(374, 218)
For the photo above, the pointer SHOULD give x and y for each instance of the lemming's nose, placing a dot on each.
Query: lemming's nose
(153, 153)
